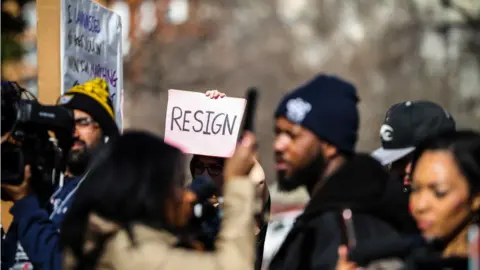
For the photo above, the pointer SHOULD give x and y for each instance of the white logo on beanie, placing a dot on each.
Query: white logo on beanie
(297, 110)
(65, 99)
(386, 133)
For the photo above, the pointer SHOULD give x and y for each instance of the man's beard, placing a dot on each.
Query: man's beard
(78, 159)
(307, 176)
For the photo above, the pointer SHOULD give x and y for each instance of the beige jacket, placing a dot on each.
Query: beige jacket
(235, 244)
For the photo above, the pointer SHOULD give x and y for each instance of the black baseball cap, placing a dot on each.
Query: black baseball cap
(408, 123)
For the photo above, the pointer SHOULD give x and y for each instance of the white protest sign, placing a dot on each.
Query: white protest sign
(199, 125)
(91, 42)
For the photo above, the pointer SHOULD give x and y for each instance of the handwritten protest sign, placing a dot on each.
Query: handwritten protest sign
(91, 42)
(199, 125)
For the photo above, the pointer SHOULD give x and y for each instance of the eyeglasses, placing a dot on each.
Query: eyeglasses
(84, 122)
(213, 169)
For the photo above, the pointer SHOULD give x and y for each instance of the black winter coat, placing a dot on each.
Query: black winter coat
(379, 206)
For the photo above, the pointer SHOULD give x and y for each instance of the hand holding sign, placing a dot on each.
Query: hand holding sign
(214, 94)
(199, 124)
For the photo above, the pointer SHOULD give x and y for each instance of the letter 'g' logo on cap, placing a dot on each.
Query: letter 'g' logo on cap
(386, 133)
(297, 109)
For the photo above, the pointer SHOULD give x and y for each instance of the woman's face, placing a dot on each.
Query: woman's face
(440, 194)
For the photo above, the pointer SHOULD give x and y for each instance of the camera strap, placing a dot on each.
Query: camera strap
(60, 185)
(57, 209)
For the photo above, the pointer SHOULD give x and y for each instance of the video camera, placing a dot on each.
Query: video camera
(26, 129)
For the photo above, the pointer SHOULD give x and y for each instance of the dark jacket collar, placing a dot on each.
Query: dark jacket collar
(363, 185)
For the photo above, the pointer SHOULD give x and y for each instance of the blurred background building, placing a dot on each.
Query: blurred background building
(392, 50)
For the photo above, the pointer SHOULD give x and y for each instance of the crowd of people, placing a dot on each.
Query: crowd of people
(126, 203)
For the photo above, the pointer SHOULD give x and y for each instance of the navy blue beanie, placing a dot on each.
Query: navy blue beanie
(327, 106)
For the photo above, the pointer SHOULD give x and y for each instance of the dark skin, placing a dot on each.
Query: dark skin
(295, 147)
(441, 199)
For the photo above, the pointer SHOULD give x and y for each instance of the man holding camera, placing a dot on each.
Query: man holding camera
(36, 228)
